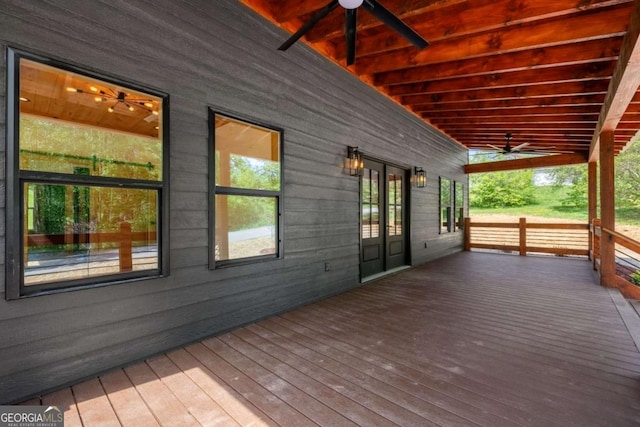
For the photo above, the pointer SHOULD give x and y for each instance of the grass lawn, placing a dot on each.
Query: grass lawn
(549, 205)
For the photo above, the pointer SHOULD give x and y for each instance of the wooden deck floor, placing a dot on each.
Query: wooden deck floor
(473, 339)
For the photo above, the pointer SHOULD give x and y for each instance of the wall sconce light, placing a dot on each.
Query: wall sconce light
(354, 162)
(421, 177)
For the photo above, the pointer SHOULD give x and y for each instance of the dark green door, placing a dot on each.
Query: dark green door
(383, 218)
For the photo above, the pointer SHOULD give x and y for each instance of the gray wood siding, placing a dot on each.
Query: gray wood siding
(220, 55)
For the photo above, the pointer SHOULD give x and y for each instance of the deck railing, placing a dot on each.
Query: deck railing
(627, 253)
(124, 240)
(561, 239)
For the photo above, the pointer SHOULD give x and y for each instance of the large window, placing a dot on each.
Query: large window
(246, 196)
(86, 164)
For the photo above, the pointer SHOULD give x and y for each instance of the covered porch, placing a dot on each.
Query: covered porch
(470, 339)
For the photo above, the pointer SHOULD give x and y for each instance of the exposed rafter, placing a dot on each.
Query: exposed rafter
(538, 70)
(623, 86)
(527, 163)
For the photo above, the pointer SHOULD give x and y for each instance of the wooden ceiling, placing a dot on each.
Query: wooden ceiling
(53, 93)
(539, 70)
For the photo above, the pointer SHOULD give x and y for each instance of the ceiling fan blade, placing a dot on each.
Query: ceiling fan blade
(309, 24)
(494, 147)
(518, 147)
(350, 16)
(394, 22)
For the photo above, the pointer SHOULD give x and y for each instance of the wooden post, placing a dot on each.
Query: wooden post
(607, 209)
(467, 234)
(592, 195)
(125, 252)
(596, 242)
(523, 236)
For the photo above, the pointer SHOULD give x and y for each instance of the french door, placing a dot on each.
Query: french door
(383, 218)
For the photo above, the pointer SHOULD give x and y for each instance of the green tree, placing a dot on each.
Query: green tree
(574, 179)
(628, 177)
(502, 189)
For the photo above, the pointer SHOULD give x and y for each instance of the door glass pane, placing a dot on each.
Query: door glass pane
(370, 205)
(395, 204)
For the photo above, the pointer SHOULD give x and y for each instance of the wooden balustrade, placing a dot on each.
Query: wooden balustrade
(524, 238)
(124, 239)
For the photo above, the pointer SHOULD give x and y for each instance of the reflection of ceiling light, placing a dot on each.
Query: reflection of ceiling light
(24, 99)
(116, 98)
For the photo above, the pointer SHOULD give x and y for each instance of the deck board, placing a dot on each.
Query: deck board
(472, 339)
(125, 400)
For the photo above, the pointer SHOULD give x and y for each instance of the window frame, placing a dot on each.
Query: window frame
(458, 191)
(448, 206)
(234, 191)
(16, 178)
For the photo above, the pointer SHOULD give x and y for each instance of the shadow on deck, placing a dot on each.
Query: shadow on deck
(471, 339)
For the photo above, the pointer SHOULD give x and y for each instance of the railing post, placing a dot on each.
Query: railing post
(467, 234)
(596, 242)
(523, 236)
(125, 252)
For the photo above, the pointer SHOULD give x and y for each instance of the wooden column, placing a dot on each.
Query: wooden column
(467, 234)
(592, 195)
(607, 209)
(126, 247)
(523, 236)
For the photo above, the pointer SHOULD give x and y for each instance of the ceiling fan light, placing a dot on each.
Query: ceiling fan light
(110, 109)
(350, 4)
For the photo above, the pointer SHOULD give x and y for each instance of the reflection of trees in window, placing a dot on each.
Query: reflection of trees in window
(90, 177)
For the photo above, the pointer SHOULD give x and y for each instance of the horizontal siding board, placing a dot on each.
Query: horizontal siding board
(214, 55)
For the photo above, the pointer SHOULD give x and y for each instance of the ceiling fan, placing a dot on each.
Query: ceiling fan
(351, 13)
(508, 149)
(519, 149)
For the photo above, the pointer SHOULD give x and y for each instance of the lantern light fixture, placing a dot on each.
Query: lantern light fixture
(420, 177)
(354, 161)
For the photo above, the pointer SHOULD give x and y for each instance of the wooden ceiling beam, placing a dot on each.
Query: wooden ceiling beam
(572, 88)
(530, 127)
(521, 112)
(564, 101)
(584, 72)
(558, 120)
(624, 83)
(330, 29)
(553, 56)
(527, 163)
(581, 27)
(458, 19)
(520, 137)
